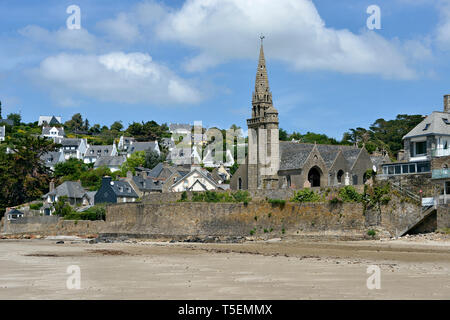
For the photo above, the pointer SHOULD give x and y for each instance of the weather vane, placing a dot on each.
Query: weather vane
(262, 37)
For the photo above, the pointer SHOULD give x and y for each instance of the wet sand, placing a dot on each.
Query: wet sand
(288, 269)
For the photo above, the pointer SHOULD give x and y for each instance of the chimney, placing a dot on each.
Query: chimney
(144, 174)
(129, 175)
(106, 180)
(52, 185)
(447, 103)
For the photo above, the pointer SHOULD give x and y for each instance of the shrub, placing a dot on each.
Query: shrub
(305, 195)
(278, 202)
(242, 196)
(334, 200)
(349, 194)
(184, 196)
(92, 214)
(283, 231)
(252, 232)
(36, 206)
(371, 233)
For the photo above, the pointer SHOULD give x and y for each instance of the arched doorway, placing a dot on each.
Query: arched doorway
(339, 176)
(314, 175)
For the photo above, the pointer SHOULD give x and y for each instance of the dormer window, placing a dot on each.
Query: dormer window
(445, 121)
(426, 126)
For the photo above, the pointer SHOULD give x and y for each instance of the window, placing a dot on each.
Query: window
(355, 180)
(240, 183)
(445, 121)
(339, 176)
(421, 147)
(426, 127)
(412, 168)
(288, 179)
(405, 168)
(423, 166)
(398, 169)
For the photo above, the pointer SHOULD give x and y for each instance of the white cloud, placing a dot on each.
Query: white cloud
(77, 39)
(296, 34)
(443, 28)
(121, 28)
(116, 77)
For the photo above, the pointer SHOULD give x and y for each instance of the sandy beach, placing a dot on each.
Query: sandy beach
(273, 269)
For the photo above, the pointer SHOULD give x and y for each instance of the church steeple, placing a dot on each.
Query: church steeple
(262, 97)
(262, 80)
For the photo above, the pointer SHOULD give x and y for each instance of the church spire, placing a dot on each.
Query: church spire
(262, 81)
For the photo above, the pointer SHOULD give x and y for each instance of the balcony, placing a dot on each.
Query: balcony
(440, 152)
(440, 174)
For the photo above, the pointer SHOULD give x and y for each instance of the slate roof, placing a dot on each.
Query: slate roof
(51, 158)
(142, 146)
(51, 120)
(109, 161)
(436, 123)
(123, 189)
(161, 171)
(46, 130)
(294, 155)
(69, 142)
(70, 189)
(94, 151)
(148, 184)
(175, 126)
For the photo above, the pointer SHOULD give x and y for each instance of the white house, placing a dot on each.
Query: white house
(124, 143)
(94, 152)
(143, 146)
(2, 133)
(73, 148)
(196, 180)
(53, 132)
(49, 120)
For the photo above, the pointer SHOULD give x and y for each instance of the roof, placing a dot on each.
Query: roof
(52, 120)
(15, 211)
(436, 123)
(123, 189)
(203, 172)
(142, 146)
(148, 184)
(70, 189)
(293, 155)
(179, 126)
(109, 161)
(96, 150)
(66, 142)
(46, 130)
(379, 160)
(51, 158)
(164, 171)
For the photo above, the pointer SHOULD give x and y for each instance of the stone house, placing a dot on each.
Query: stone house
(76, 195)
(115, 192)
(72, 148)
(50, 159)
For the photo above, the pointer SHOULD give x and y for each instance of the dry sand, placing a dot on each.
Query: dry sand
(288, 269)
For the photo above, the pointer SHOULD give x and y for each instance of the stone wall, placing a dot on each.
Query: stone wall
(415, 183)
(52, 225)
(443, 216)
(232, 219)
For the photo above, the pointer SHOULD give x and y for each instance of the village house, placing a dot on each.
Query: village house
(143, 146)
(196, 180)
(72, 148)
(13, 214)
(53, 132)
(49, 121)
(113, 163)
(124, 143)
(2, 133)
(115, 192)
(74, 193)
(94, 152)
(50, 159)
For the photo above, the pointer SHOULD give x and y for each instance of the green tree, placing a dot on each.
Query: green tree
(75, 124)
(152, 158)
(15, 117)
(23, 174)
(137, 159)
(117, 126)
(283, 135)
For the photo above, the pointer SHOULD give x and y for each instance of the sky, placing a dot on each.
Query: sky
(195, 60)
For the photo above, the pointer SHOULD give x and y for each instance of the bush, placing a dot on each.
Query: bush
(334, 200)
(305, 195)
(349, 194)
(241, 196)
(36, 206)
(184, 196)
(371, 233)
(278, 202)
(92, 214)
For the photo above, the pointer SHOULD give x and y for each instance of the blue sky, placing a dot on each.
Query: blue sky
(183, 61)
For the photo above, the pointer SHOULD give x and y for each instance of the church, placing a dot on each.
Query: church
(274, 164)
